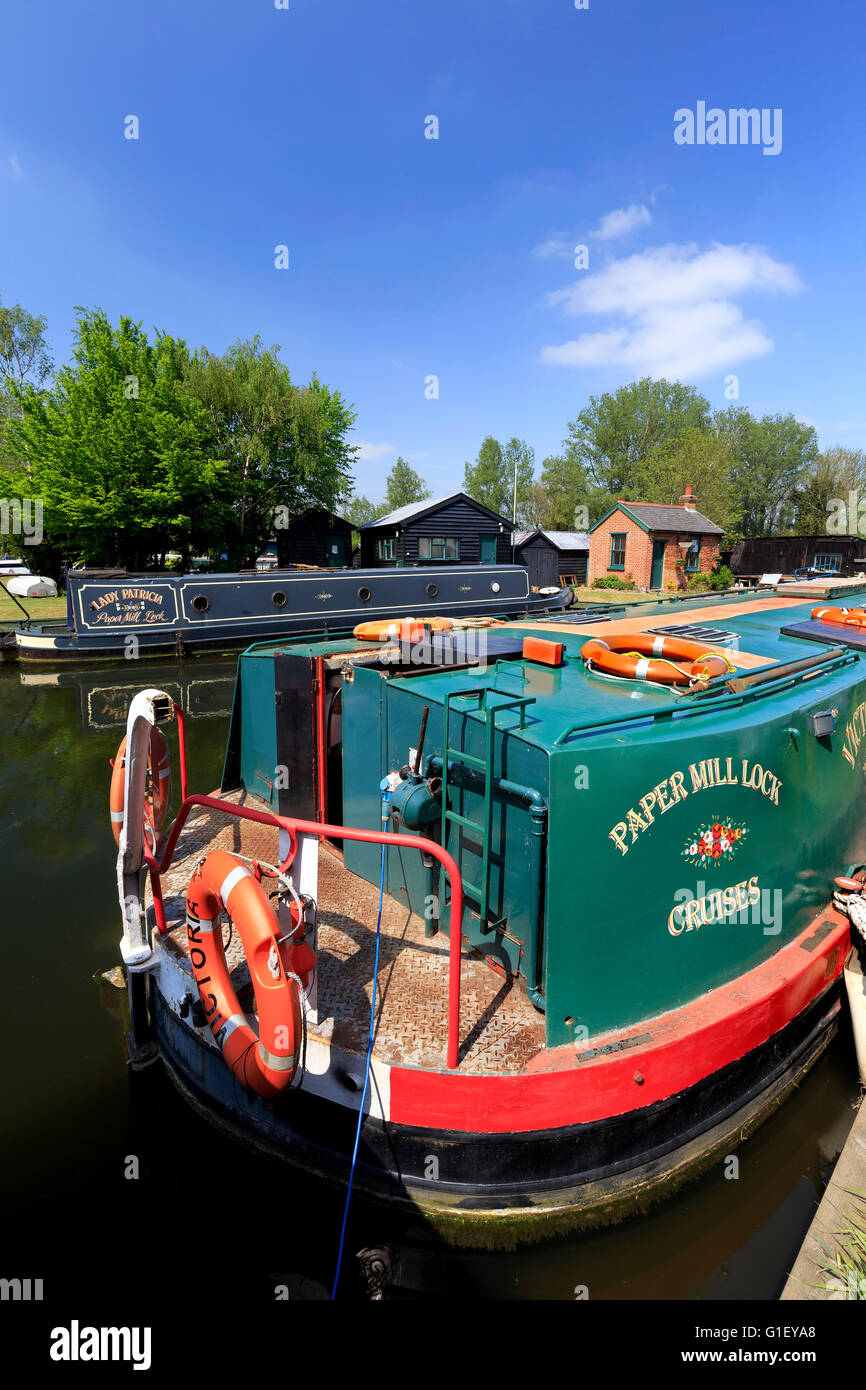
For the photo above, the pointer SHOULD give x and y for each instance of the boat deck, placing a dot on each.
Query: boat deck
(500, 1030)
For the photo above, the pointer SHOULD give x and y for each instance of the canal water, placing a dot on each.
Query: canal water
(78, 1124)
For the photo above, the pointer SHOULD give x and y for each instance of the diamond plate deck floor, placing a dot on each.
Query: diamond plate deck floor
(499, 1029)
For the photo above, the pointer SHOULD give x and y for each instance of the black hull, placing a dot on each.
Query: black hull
(220, 628)
(501, 1189)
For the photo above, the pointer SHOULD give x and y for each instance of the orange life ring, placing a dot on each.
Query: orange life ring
(643, 656)
(157, 795)
(263, 1061)
(846, 617)
(401, 629)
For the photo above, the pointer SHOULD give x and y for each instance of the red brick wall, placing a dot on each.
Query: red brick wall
(639, 551)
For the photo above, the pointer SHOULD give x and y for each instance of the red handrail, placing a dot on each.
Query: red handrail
(343, 832)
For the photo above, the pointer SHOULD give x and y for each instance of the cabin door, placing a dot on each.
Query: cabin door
(488, 550)
(658, 564)
(336, 546)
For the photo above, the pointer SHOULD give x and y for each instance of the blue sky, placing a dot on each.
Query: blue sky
(412, 257)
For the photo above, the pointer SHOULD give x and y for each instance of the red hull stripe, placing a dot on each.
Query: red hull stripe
(677, 1050)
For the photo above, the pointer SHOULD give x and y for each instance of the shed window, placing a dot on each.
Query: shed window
(386, 548)
(831, 563)
(438, 548)
(617, 550)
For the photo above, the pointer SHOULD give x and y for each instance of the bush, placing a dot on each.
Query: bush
(612, 581)
(721, 578)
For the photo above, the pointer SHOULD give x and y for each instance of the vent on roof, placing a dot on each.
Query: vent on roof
(717, 636)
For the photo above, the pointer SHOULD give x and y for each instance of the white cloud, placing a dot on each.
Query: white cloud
(15, 167)
(621, 221)
(553, 247)
(366, 450)
(674, 310)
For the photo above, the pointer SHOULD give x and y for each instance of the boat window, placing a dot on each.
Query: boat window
(432, 590)
(278, 599)
(200, 603)
(364, 594)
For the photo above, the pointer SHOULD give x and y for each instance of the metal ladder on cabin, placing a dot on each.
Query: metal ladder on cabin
(455, 758)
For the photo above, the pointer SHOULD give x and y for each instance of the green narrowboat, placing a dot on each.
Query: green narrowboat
(538, 916)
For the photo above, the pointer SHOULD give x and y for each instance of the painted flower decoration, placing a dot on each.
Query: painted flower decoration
(716, 841)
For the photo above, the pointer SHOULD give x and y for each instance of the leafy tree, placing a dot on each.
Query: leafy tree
(284, 446)
(490, 480)
(24, 361)
(564, 491)
(403, 486)
(835, 474)
(486, 479)
(118, 450)
(700, 458)
(361, 510)
(772, 458)
(614, 438)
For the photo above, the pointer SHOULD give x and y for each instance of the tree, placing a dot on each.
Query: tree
(772, 457)
(486, 479)
(24, 361)
(360, 510)
(284, 446)
(832, 478)
(617, 434)
(700, 458)
(403, 486)
(564, 491)
(490, 480)
(519, 461)
(118, 451)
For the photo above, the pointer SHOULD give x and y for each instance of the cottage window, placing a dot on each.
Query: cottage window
(385, 548)
(831, 563)
(617, 550)
(438, 548)
(693, 556)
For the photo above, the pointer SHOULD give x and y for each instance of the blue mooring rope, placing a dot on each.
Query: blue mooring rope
(386, 798)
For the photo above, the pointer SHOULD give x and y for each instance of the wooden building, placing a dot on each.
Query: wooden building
(553, 558)
(453, 530)
(757, 555)
(644, 541)
(315, 537)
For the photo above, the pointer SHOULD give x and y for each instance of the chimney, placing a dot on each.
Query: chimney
(687, 500)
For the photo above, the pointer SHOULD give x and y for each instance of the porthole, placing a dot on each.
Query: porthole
(364, 594)
(433, 590)
(278, 599)
(200, 603)
(495, 588)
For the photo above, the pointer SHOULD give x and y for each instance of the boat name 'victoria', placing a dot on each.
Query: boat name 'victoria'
(711, 773)
(854, 730)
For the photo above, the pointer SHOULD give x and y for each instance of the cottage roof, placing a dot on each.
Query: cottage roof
(430, 504)
(655, 517)
(561, 540)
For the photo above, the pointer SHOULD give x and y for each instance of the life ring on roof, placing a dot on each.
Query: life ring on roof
(641, 656)
(846, 617)
(263, 1061)
(401, 629)
(157, 794)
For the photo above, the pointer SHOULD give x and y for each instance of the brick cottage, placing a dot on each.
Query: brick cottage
(644, 540)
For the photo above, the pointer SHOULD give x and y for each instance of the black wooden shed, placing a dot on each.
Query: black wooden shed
(552, 557)
(315, 537)
(454, 530)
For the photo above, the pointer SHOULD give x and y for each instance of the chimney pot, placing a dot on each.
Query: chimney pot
(687, 500)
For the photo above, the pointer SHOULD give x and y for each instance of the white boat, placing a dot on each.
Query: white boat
(32, 586)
